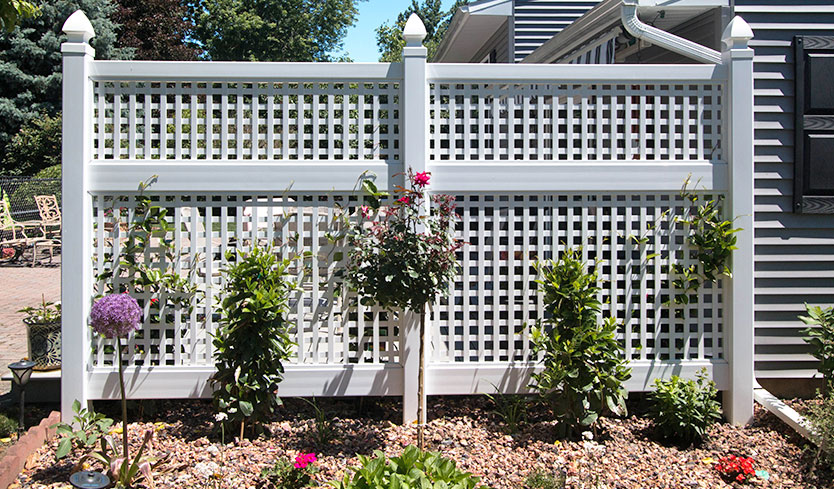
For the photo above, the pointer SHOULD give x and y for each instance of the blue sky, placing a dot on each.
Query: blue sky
(360, 43)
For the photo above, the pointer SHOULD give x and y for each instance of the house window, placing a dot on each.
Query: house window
(814, 145)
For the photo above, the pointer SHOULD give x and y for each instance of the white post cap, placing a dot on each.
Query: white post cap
(737, 34)
(414, 31)
(78, 27)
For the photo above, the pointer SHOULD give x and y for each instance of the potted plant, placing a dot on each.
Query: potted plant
(43, 325)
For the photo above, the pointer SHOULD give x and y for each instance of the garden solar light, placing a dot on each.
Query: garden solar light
(89, 479)
(21, 371)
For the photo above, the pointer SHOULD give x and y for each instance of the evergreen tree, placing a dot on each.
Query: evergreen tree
(157, 29)
(271, 30)
(30, 62)
(37, 145)
(389, 39)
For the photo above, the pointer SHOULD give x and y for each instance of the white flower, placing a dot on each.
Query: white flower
(221, 417)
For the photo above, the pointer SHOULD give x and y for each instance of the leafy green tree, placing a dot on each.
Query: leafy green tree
(271, 30)
(11, 11)
(156, 29)
(30, 61)
(389, 37)
(36, 146)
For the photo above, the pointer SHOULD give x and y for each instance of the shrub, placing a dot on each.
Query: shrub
(7, 426)
(821, 339)
(683, 409)
(584, 369)
(543, 479)
(36, 146)
(412, 469)
(253, 340)
(286, 475)
(821, 416)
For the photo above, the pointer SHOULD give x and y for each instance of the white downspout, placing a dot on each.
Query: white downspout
(664, 39)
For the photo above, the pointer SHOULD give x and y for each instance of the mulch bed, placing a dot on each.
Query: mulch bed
(624, 454)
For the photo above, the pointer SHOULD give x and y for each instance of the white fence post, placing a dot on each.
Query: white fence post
(738, 399)
(76, 280)
(414, 117)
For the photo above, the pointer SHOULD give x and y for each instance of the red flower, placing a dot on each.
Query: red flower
(154, 301)
(405, 200)
(421, 178)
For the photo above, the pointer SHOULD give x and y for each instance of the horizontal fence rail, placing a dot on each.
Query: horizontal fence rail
(539, 159)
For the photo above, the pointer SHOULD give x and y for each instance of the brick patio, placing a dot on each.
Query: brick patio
(22, 286)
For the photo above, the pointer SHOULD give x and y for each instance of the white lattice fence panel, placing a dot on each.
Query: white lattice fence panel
(494, 300)
(280, 120)
(330, 328)
(575, 122)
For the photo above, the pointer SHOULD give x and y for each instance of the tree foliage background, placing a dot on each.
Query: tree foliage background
(156, 29)
(11, 11)
(389, 39)
(30, 62)
(271, 30)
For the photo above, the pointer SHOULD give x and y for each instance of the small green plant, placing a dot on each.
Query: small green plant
(253, 340)
(324, 423)
(544, 479)
(124, 470)
(91, 427)
(683, 409)
(821, 416)
(584, 369)
(821, 339)
(7, 426)
(46, 313)
(712, 239)
(286, 475)
(512, 409)
(412, 469)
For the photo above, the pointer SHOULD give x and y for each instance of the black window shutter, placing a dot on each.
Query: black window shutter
(814, 143)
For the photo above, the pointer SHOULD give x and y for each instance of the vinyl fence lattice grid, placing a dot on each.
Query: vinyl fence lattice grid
(575, 122)
(494, 300)
(315, 120)
(330, 328)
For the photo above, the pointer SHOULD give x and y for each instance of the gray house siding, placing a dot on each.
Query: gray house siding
(499, 43)
(536, 21)
(794, 252)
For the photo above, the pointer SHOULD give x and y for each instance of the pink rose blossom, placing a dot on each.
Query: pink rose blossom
(421, 179)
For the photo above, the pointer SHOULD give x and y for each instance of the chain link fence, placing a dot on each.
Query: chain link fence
(20, 193)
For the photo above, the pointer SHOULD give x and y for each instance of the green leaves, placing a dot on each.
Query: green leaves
(583, 365)
(683, 409)
(253, 339)
(413, 469)
(821, 339)
(91, 427)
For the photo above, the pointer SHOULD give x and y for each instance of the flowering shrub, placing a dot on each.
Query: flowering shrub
(392, 261)
(6, 253)
(405, 259)
(735, 468)
(115, 316)
(286, 475)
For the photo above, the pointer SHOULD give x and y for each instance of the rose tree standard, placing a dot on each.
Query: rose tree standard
(405, 257)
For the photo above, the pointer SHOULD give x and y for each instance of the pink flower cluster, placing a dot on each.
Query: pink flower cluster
(115, 315)
(303, 460)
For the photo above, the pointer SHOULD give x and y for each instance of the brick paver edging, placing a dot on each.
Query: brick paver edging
(16, 456)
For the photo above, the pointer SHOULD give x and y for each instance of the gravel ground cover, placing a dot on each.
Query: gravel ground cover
(623, 454)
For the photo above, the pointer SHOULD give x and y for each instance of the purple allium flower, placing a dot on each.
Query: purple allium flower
(115, 315)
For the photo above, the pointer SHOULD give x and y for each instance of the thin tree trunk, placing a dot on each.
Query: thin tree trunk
(124, 399)
(421, 407)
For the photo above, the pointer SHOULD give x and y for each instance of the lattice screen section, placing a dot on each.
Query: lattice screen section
(328, 120)
(494, 301)
(331, 329)
(575, 122)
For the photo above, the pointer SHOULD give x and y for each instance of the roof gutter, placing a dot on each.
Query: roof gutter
(664, 39)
